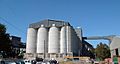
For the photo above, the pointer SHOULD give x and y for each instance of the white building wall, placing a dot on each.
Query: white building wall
(73, 41)
(115, 43)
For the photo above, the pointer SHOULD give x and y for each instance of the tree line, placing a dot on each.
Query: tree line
(102, 51)
(6, 47)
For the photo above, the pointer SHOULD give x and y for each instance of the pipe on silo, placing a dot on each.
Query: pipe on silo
(31, 40)
(63, 42)
(54, 37)
(42, 40)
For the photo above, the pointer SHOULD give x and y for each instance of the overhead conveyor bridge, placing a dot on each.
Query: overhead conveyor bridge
(109, 38)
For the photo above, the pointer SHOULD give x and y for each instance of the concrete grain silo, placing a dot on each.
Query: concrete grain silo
(69, 35)
(31, 40)
(63, 40)
(53, 44)
(51, 39)
(42, 40)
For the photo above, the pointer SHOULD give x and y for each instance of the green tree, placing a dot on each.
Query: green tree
(2, 29)
(102, 51)
(5, 43)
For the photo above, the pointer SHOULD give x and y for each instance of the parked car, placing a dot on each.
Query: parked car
(20, 62)
(53, 62)
(2, 62)
(9, 62)
(27, 62)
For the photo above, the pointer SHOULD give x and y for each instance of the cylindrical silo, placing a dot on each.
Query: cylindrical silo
(54, 36)
(68, 30)
(31, 40)
(63, 42)
(42, 40)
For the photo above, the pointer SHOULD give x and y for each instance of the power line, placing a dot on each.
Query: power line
(18, 29)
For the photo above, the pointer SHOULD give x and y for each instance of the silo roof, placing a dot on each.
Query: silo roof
(48, 23)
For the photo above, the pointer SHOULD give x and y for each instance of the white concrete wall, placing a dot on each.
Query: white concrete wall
(115, 43)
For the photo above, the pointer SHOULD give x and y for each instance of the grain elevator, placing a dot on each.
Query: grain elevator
(52, 39)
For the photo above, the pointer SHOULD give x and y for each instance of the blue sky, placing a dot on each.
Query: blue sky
(96, 17)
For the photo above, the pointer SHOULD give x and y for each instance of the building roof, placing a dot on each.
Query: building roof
(48, 23)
